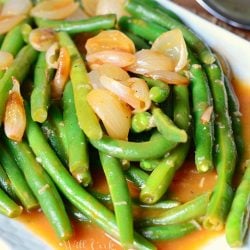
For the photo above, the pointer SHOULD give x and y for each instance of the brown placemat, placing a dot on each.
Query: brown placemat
(193, 6)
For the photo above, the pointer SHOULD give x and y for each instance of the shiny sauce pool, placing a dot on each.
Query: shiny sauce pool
(186, 185)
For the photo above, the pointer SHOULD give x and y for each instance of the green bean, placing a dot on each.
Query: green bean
(238, 219)
(120, 197)
(147, 30)
(87, 119)
(235, 114)
(203, 131)
(142, 121)
(54, 129)
(1, 39)
(225, 153)
(6, 184)
(17, 179)
(188, 211)
(8, 207)
(169, 232)
(138, 41)
(156, 83)
(78, 196)
(156, 147)
(95, 23)
(40, 95)
(149, 165)
(167, 128)
(77, 144)
(25, 58)
(42, 187)
(150, 14)
(137, 176)
(158, 95)
(25, 30)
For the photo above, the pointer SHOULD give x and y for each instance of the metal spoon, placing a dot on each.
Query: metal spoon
(234, 12)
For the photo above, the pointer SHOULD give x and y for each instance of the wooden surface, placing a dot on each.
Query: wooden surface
(196, 8)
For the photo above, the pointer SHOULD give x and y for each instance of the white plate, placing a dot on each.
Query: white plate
(237, 50)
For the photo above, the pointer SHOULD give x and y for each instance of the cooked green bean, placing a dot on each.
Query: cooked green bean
(142, 121)
(120, 197)
(8, 207)
(87, 119)
(149, 165)
(225, 153)
(238, 219)
(203, 131)
(150, 14)
(188, 211)
(169, 232)
(40, 95)
(158, 95)
(156, 147)
(42, 187)
(137, 176)
(95, 23)
(138, 41)
(25, 58)
(156, 83)
(76, 141)
(78, 196)
(18, 182)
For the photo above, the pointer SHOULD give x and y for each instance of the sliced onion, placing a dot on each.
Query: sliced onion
(54, 9)
(148, 60)
(62, 74)
(52, 55)
(90, 6)
(118, 58)
(9, 22)
(141, 92)
(122, 91)
(206, 116)
(6, 59)
(114, 114)
(78, 14)
(168, 77)
(109, 70)
(111, 6)
(15, 118)
(110, 40)
(42, 38)
(172, 44)
(16, 7)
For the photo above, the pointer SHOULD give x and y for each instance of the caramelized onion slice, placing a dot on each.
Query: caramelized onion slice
(9, 22)
(54, 9)
(206, 116)
(6, 59)
(110, 40)
(172, 44)
(52, 55)
(90, 6)
(16, 7)
(118, 58)
(168, 77)
(148, 60)
(15, 118)
(114, 114)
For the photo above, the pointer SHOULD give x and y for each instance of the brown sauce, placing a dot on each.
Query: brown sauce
(186, 185)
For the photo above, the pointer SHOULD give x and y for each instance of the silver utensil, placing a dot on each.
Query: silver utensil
(233, 12)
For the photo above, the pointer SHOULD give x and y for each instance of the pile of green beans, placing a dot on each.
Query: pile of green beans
(53, 167)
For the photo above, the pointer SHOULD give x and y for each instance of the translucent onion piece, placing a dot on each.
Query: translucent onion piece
(41, 39)
(122, 91)
(90, 6)
(16, 7)
(114, 114)
(54, 9)
(141, 92)
(62, 74)
(111, 6)
(52, 55)
(148, 60)
(172, 44)
(168, 77)
(110, 40)
(79, 14)
(118, 58)
(6, 59)
(15, 118)
(206, 116)
(9, 22)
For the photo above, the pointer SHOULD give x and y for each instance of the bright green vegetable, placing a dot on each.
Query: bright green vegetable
(141, 121)
(137, 176)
